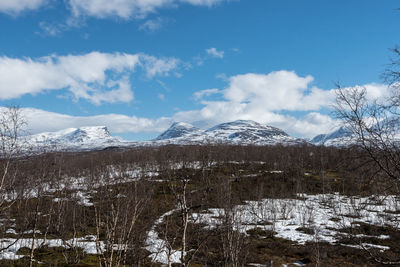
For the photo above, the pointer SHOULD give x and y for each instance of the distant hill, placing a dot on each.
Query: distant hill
(339, 137)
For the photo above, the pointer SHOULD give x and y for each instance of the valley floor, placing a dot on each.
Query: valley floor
(199, 206)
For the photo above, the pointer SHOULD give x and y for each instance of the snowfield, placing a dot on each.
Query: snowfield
(10, 246)
(325, 214)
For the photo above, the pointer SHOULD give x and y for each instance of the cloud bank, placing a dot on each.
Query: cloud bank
(276, 98)
(96, 77)
(42, 121)
(280, 98)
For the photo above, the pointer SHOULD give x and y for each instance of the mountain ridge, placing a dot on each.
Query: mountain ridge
(244, 132)
(239, 132)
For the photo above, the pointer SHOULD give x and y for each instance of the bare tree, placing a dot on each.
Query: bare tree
(12, 125)
(117, 209)
(374, 125)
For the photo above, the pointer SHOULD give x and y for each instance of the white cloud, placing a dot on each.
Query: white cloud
(208, 3)
(51, 29)
(127, 9)
(215, 53)
(279, 90)
(204, 93)
(41, 121)
(152, 25)
(158, 66)
(377, 91)
(14, 7)
(281, 99)
(124, 9)
(96, 77)
(309, 125)
(267, 98)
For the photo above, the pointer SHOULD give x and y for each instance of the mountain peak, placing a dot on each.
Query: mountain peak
(239, 132)
(235, 132)
(237, 123)
(249, 132)
(83, 136)
(181, 124)
(178, 129)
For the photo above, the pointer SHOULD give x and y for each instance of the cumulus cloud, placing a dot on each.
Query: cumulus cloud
(110, 8)
(96, 77)
(267, 98)
(14, 7)
(159, 66)
(309, 125)
(282, 99)
(214, 52)
(376, 91)
(279, 90)
(277, 98)
(40, 120)
(127, 9)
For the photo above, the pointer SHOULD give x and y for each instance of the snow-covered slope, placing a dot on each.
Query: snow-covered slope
(83, 138)
(237, 132)
(242, 132)
(179, 129)
(339, 137)
(250, 132)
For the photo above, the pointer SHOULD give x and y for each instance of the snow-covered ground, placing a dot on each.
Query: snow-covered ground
(160, 250)
(82, 187)
(10, 246)
(325, 214)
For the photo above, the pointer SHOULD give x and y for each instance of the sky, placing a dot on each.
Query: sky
(137, 66)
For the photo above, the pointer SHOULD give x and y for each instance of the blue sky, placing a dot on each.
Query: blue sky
(137, 66)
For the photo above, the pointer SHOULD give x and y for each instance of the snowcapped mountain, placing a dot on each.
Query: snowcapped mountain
(179, 129)
(84, 138)
(247, 131)
(241, 132)
(339, 137)
(244, 132)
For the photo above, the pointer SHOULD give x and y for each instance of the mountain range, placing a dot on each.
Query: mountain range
(243, 132)
(240, 132)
